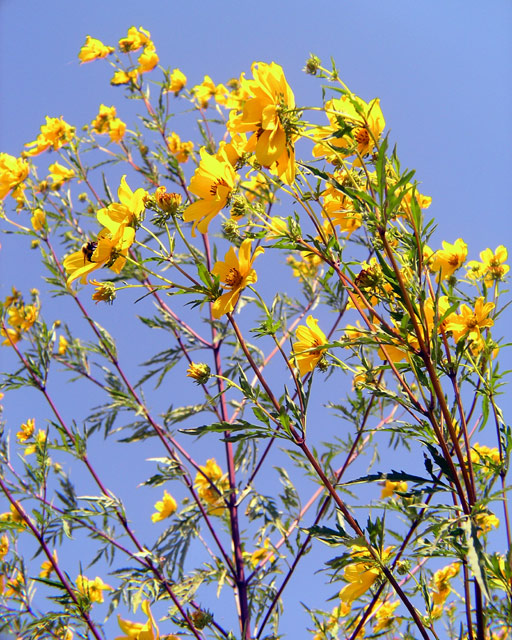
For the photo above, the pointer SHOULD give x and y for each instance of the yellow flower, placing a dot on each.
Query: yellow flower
(135, 39)
(107, 122)
(116, 129)
(448, 259)
(390, 487)
(210, 485)
(59, 175)
(55, 134)
(14, 586)
(384, 615)
(26, 430)
(39, 442)
(139, 630)
(164, 507)
(94, 49)
(104, 292)
(306, 352)
(367, 124)
(424, 202)
(441, 583)
(486, 521)
(485, 457)
(128, 211)
(178, 81)
(148, 59)
(47, 566)
(208, 89)
(469, 323)
(180, 150)
(360, 575)
(4, 546)
(167, 202)
(277, 227)
(200, 372)
(306, 267)
(101, 121)
(261, 553)
(270, 115)
(235, 273)
(213, 182)
(491, 268)
(12, 173)
(92, 589)
(338, 209)
(63, 345)
(124, 77)
(110, 250)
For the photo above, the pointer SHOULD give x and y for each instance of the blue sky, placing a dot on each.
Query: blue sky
(441, 68)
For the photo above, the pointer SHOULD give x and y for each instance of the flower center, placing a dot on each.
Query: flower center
(216, 184)
(453, 260)
(472, 322)
(361, 136)
(233, 278)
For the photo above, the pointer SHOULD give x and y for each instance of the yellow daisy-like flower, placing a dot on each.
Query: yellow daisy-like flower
(210, 485)
(94, 49)
(360, 575)
(101, 121)
(13, 172)
(148, 59)
(486, 521)
(178, 81)
(59, 175)
(384, 615)
(47, 566)
(26, 430)
(469, 322)
(492, 268)
(124, 77)
(63, 345)
(366, 119)
(213, 182)
(261, 553)
(93, 589)
(441, 583)
(55, 134)
(269, 113)
(135, 39)
(181, 150)
(39, 442)
(4, 546)
(448, 259)
(207, 90)
(390, 487)
(128, 211)
(110, 250)
(139, 630)
(235, 273)
(164, 508)
(306, 351)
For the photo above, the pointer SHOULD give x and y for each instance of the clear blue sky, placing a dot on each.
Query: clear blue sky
(442, 70)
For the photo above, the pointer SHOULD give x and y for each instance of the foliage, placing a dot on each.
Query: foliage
(304, 388)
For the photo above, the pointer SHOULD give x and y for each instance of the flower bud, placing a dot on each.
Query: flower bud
(167, 202)
(312, 64)
(199, 372)
(200, 619)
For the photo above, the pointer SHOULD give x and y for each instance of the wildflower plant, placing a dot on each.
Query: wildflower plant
(308, 323)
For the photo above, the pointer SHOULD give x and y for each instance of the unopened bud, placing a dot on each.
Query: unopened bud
(167, 202)
(199, 372)
(312, 64)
